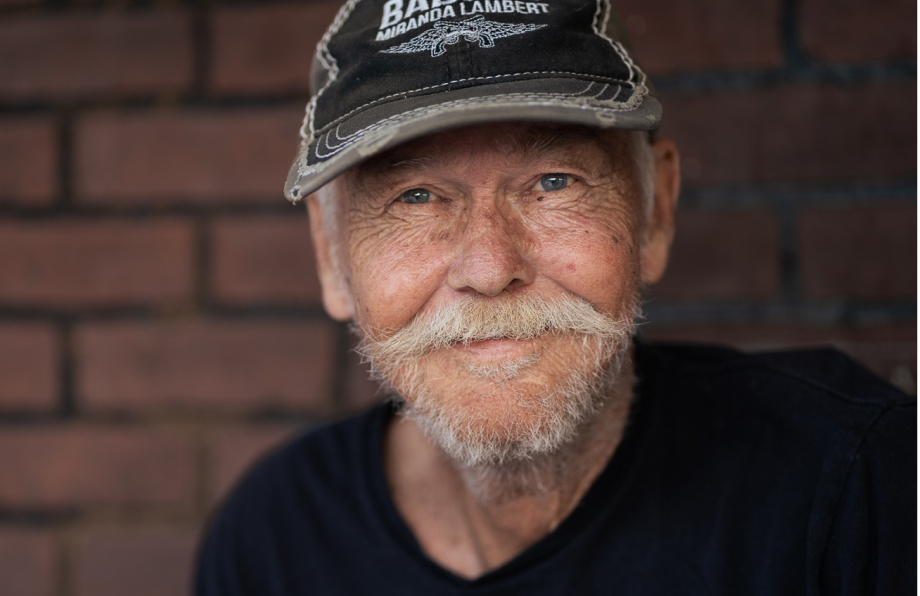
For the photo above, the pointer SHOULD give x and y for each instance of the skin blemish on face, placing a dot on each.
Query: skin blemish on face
(570, 267)
(616, 240)
(539, 198)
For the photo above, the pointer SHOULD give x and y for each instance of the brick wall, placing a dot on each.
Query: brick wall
(160, 322)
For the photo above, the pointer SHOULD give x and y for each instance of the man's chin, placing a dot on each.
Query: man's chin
(500, 429)
(504, 411)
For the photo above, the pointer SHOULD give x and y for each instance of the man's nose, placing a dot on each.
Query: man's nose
(494, 252)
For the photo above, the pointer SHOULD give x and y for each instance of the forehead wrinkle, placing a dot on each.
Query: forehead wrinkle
(385, 166)
(568, 145)
(532, 142)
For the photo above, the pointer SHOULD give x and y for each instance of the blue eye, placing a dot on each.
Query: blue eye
(415, 196)
(551, 182)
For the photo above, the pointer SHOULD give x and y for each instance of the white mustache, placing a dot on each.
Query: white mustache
(470, 319)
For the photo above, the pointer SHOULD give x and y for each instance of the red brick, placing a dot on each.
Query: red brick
(86, 263)
(721, 255)
(28, 161)
(671, 35)
(27, 562)
(865, 253)
(889, 350)
(193, 155)
(263, 260)
(47, 467)
(29, 368)
(232, 450)
(796, 133)
(265, 49)
(859, 30)
(77, 55)
(195, 365)
(140, 561)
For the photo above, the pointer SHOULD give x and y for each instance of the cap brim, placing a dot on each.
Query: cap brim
(351, 140)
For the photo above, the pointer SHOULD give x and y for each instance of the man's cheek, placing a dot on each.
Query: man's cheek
(402, 231)
(395, 282)
(597, 246)
(599, 269)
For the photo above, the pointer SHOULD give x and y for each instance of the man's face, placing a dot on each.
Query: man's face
(507, 226)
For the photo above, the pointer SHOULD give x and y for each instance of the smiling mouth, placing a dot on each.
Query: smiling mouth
(498, 360)
(498, 348)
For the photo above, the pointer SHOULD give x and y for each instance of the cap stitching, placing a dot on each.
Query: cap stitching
(633, 67)
(423, 108)
(617, 46)
(582, 93)
(522, 99)
(355, 137)
(483, 78)
(331, 66)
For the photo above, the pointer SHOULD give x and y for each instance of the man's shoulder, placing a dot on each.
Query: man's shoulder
(819, 396)
(815, 371)
(807, 418)
(804, 444)
(322, 458)
(292, 514)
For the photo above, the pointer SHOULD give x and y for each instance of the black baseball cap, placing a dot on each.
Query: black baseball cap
(388, 71)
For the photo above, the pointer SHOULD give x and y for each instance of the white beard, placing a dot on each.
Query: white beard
(509, 422)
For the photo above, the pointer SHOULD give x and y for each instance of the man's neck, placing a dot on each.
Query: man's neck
(473, 520)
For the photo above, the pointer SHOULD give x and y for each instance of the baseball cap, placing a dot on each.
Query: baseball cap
(388, 71)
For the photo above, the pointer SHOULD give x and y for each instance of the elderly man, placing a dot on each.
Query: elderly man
(487, 202)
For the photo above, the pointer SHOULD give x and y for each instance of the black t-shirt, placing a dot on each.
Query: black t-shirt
(782, 474)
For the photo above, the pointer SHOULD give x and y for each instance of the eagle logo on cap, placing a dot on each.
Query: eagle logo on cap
(445, 33)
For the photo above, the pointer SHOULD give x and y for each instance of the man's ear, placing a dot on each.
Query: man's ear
(337, 296)
(659, 229)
